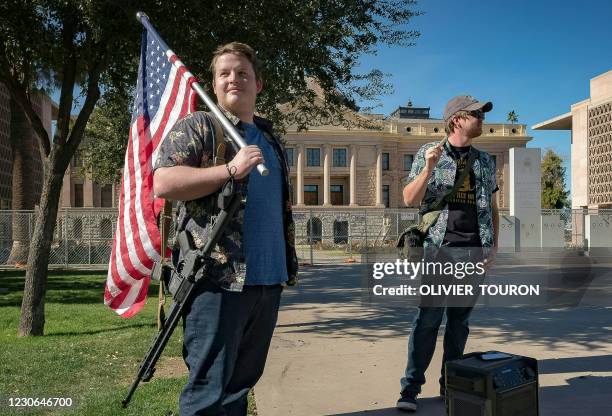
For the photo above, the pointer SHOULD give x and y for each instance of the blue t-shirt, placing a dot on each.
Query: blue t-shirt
(264, 237)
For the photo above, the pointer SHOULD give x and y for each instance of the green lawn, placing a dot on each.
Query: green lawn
(88, 353)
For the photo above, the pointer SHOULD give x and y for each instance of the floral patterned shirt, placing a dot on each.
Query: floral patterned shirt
(190, 143)
(442, 181)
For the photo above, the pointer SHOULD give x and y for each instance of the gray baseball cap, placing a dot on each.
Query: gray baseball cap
(467, 103)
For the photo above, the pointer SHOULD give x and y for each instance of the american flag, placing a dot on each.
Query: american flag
(163, 95)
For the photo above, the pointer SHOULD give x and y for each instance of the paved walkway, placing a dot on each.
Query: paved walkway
(333, 354)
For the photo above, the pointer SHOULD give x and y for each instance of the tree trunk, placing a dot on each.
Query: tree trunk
(23, 183)
(32, 321)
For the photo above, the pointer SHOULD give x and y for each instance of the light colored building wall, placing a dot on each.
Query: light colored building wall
(590, 122)
(397, 137)
(580, 155)
(601, 88)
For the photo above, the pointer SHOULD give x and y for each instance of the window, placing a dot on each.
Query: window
(494, 161)
(339, 158)
(311, 194)
(385, 161)
(290, 156)
(78, 195)
(408, 159)
(313, 157)
(314, 228)
(337, 194)
(385, 195)
(340, 231)
(106, 196)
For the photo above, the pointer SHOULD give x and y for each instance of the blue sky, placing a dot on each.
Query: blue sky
(534, 57)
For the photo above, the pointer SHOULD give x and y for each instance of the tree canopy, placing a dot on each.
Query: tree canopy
(92, 46)
(512, 117)
(318, 41)
(554, 193)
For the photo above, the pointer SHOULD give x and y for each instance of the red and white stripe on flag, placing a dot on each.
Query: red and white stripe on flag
(163, 95)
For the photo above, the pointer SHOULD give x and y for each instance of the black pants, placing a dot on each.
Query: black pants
(227, 336)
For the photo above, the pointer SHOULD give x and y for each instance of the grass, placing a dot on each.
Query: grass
(88, 353)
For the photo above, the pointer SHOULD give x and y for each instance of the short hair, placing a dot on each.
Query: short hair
(449, 126)
(241, 49)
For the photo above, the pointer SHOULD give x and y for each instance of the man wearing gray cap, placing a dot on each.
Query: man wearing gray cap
(468, 224)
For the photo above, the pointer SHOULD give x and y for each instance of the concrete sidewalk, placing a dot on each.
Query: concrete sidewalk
(333, 354)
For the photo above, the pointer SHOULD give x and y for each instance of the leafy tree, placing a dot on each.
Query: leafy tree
(512, 117)
(92, 46)
(103, 148)
(554, 193)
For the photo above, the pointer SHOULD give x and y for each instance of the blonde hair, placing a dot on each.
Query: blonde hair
(450, 123)
(241, 49)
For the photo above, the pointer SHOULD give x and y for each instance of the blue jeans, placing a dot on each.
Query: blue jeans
(226, 341)
(422, 340)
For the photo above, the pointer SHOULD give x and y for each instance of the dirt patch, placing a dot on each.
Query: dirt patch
(170, 367)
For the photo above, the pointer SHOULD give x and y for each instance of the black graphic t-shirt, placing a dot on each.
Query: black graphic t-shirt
(462, 225)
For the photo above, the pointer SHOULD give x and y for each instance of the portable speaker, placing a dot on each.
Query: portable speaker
(492, 384)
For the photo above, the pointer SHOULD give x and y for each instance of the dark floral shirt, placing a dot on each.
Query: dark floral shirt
(442, 181)
(190, 143)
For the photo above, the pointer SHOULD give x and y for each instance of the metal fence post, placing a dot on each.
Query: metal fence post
(66, 238)
(89, 231)
(350, 237)
(365, 227)
(397, 220)
(311, 239)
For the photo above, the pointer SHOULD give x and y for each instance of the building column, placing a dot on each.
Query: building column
(353, 176)
(300, 175)
(379, 202)
(326, 175)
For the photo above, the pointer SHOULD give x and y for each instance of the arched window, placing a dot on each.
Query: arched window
(314, 230)
(340, 231)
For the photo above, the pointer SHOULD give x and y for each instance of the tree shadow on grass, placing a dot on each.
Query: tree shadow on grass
(101, 331)
(68, 287)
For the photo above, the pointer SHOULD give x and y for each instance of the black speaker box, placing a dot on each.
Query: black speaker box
(492, 384)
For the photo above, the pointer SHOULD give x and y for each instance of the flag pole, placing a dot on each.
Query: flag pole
(227, 125)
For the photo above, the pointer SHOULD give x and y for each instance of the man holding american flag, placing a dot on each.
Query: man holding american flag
(229, 322)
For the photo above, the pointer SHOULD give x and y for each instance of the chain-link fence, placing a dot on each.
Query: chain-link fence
(335, 235)
(81, 236)
(85, 236)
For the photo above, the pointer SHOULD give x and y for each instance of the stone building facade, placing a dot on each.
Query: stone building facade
(334, 166)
